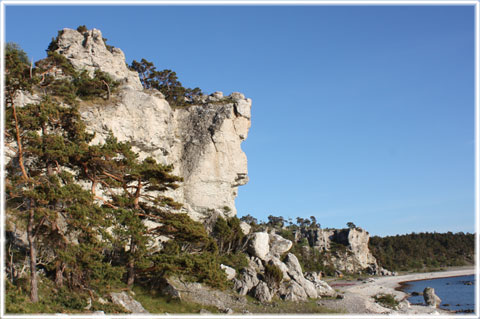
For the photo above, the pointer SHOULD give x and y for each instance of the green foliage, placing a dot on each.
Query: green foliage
(387, 300)
(155, 303)
(201, 267)
(273, 275)
(166, 81)
(238, 260)
(418, 251)
(229, 235)
(82, 29)
(54, 43)
(12, 48)
(55, 300)
(98, 86)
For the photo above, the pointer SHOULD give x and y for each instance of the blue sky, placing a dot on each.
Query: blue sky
(360, 113)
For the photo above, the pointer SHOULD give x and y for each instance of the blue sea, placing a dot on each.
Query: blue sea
(456, 292)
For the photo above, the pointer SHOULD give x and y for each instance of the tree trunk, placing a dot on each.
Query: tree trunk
(137, 195)
(33, 258)
(59, 274)
(19, 144)
(131, 265)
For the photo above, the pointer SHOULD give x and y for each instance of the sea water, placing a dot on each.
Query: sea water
(457, 293)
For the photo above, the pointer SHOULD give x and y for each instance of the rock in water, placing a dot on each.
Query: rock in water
(431, 299)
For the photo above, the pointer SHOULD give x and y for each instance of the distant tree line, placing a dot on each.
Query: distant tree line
(423, 251)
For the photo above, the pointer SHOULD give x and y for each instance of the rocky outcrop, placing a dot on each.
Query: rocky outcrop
(198, 293)
(88, 51)
(431, 299)
(126, 301)
(202, 141)
(347, 249)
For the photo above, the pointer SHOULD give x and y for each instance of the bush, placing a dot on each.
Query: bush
(82, 29)
(229, 235)
(238, 261)
(273, 275)
(386, 300)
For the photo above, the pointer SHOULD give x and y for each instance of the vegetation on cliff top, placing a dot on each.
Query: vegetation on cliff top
(165, 81)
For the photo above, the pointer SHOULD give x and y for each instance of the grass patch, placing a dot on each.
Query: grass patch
(387, 300)
(154, 302)
(52, 300)
(287, 307)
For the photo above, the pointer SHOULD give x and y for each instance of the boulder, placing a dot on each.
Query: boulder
(248, 279)
(231, 273)
(258, 245)
(292, 291)
(262, 293)
(245, 227)
(277, 262)
(126, 301)
(293, 266)
(197, 293)
(279, 245)
(323, 289)
(431, 299)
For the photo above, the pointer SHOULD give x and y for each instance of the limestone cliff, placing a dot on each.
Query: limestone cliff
(202, 141)
(347, 249)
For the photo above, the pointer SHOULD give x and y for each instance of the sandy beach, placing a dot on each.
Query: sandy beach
(358, 295)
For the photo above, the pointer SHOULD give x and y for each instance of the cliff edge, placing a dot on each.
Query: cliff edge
(202, 141)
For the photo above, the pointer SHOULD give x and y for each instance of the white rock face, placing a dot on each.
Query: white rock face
(279, 245)
(203, 142)
(259, 245)
(88, 51)
(231, 273)
(357, 256)
(245, 228)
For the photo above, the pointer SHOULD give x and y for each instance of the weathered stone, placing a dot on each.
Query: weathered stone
(323, 289)
(292, 291)
(431, 299)
(259, 245)
(245, 228)
(198, 293)
(231, 273)
(246, 281)
(87, 51)
(294, 268)
(262, 293)
(202, 142)
(127, 302)
(279, 245)
(277, 262)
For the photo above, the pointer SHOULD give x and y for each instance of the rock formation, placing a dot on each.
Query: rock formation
(202, 141)
(431, 299)
(347, 249)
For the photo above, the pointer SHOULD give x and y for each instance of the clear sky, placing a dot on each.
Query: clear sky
(360, 113)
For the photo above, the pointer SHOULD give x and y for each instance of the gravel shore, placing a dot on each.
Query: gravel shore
(358, 295)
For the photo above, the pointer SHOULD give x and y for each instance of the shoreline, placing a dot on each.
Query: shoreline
(358, 297)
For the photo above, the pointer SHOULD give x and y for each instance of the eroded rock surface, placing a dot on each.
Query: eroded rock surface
(202, 141)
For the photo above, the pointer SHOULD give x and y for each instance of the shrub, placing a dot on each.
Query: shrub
(229, 235)
(386, 300)
(82, 29)
(235, 260)
(273, 275)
